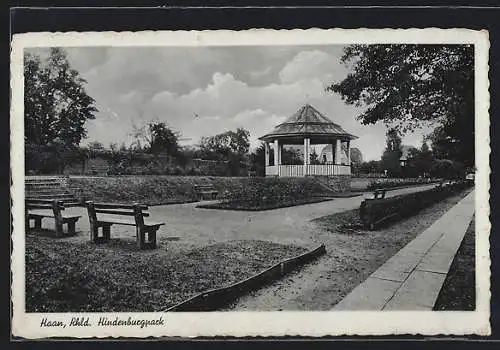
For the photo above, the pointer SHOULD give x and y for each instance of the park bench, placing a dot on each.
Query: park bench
(205, 191)
(145, 232)
(379, 193)
(60, 218)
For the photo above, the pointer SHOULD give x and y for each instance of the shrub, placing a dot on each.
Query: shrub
(373, 212)
(389, 183)
(255, 192)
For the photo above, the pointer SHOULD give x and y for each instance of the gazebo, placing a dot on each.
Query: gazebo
(307, 127)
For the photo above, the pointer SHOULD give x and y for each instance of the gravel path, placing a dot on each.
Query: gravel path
(350, 259)
(189, 227)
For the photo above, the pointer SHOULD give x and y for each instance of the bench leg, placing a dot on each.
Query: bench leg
(71, 227)
(106, 233)
(38, 222)
(152, 238)
(59, 229)
(140, 238)
(94, 233)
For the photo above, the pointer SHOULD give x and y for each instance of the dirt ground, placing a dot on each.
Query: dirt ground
(352, 255)
(458, 292)
(81, 277)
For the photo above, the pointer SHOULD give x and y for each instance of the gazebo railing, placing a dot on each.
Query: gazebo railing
(310, 169)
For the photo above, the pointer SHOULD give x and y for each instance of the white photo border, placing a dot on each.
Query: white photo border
(283, 323)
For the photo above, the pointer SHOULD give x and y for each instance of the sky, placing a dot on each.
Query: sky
(203, 91)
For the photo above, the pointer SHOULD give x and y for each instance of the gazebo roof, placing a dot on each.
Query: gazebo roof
(308, 122)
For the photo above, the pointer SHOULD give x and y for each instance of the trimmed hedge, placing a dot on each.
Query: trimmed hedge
(267, 193)
(374, 212)
(390, 183)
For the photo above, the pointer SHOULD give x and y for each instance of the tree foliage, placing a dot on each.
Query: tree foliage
(231, 146)
(156, 137)
(392, 154)
(356, 156)
(313, 157)
(257, 160)
(222, 146)
(421, 161)
(56, 105)
(405, 85)
(291, 156)
(370, 167)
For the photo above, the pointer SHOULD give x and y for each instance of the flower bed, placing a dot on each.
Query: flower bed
(266, 204)
(271, 193)
(376, 211)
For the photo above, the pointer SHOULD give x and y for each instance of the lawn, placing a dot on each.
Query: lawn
(459, 289)
(63, 276)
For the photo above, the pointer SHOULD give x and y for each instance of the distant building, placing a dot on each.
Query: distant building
(405, 154)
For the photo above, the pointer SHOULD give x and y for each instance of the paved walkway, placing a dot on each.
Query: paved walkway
(193, 227)
(412, 279)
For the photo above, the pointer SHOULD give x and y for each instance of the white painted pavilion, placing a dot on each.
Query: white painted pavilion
(308, 126)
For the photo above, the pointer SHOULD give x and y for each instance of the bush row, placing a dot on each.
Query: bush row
(256, 192)
(374, 212)
(393, 182)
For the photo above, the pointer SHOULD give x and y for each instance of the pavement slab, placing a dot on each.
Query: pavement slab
(418, 270)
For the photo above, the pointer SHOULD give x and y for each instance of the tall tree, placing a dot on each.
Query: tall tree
(257, 160)
(392, 153)
(56, 105)
(232, 146)
(155, 137)
(356, 156)
(222, 146)
(163, 139)
(405, 85)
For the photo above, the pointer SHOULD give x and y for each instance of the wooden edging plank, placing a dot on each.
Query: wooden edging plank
(216, 298)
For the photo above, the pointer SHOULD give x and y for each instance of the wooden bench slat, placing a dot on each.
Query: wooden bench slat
(127, 222)
(52, 216)
(38, 206)
(116, 221)
(118, 212)
(117, 206)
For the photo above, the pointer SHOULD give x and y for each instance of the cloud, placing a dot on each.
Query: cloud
(313, 64)
(205, 91)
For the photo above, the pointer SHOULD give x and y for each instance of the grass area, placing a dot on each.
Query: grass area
(82, 277)
(459, 289)
(249, 206)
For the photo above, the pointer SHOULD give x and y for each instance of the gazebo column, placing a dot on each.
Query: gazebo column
(337, 152)
(276, 152)
(349, 153)
(266, 151)
(280, 153)
(307, 143)
(333, 144)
